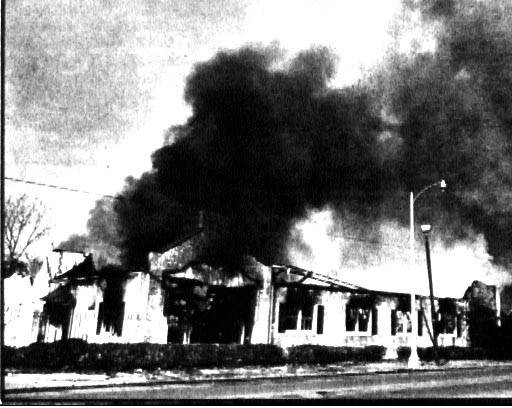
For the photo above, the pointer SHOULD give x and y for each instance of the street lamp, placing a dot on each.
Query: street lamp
(414, 360)
(426, 231)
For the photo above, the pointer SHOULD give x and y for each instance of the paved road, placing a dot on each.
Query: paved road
(489, 382)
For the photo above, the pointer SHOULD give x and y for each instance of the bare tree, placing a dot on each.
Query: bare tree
(24, 225)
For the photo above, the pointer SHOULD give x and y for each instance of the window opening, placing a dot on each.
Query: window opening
(459, 325)
(111, 310)
(375, 326)
(447, 320)
(401, 317)
(296, 312)
(357, 314)
(320, 319)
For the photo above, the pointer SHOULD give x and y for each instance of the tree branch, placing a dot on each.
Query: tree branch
(22, 216)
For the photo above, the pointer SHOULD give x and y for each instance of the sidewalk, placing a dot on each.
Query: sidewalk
(24, 381)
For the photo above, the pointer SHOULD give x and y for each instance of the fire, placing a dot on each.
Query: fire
(334, 244)
(322, 248)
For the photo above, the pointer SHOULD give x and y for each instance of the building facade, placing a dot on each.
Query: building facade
(182, 301)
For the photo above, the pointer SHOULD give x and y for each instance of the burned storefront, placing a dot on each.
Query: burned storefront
(188, 302)
(312, 308)
(205, 303)
(182, 299)
(199, 312)
(105, 305)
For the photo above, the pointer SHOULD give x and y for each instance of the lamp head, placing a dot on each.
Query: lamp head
(442, 185)
(426, 228)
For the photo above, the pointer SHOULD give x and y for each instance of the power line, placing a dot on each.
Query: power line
(347, 237)
(74, 190)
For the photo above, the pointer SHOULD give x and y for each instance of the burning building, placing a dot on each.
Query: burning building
(270, 139)
(182, 299)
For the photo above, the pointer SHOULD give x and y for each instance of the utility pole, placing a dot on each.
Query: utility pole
(426, 231)
(414, 360)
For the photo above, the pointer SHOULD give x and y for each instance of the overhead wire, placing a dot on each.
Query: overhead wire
(75, 190)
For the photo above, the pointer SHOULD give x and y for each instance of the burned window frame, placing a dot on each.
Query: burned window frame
(359, 311)
(111, 310)
(421, 321)
(401, 323)
(110, 320)
(399, 320)
(320, 318)
(447, 317)
(298, 302)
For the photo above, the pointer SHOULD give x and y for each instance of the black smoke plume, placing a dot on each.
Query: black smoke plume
(454, 107)
(262, 144)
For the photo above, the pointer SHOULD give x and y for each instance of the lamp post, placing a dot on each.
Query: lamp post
(426, 231)
(414, 360)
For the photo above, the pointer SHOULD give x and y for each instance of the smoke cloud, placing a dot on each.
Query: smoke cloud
(262, 143)
(102, 238)
(453, 106)
(269, 141)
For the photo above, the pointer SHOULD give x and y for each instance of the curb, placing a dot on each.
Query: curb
(227, 380)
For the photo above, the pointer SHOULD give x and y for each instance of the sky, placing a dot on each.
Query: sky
(92, 86)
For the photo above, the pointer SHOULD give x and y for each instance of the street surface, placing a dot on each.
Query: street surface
(488, 382)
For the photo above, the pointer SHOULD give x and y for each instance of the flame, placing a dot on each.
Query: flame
(322, 250)
(379, 259)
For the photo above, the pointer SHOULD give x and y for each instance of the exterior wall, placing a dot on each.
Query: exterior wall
(156, 322)
(85, 314)
(336, 334)
(52, 333)
(20, 309)
(261, 331)
(179, 258)
(333, 332)
(140, 314)
(143, 319)
(135, 299)
(460, 339)
(135, 304)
